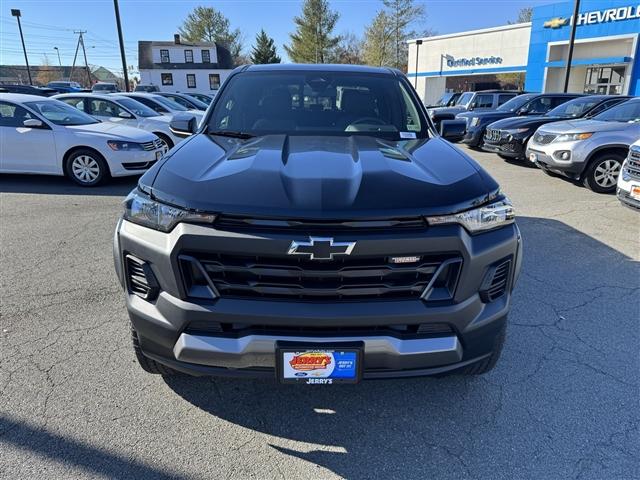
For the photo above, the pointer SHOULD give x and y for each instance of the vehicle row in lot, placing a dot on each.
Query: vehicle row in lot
(45, 136)
(584, 137)
(123, 110)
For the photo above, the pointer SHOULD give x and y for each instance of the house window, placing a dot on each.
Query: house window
(214, 81)
(206, 56)
(164, 56)
(167, 78)
(188, 56)
(191, 80)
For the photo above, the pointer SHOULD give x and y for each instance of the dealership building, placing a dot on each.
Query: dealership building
(532, 56)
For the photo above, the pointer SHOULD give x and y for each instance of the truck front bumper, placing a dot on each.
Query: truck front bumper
(185, 333)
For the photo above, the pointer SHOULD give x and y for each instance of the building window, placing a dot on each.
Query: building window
(214, 81)
(206, 56)
(605, 80)
(167, 78)
(164, 56)
(191, 80)
(188, 56)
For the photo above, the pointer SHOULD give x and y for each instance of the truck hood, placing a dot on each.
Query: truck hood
(319, 177)
(447, 110)
(585, 126)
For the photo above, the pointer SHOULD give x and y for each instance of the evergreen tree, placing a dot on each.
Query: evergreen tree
(402, 14)
(378, 41)
(264, 51)
(313, 41)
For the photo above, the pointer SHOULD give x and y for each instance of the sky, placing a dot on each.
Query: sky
(51, 23)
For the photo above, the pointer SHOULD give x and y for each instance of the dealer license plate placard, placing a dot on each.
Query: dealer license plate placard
(319, 365)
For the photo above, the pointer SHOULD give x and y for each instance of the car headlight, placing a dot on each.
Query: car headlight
(572, 137)
(141, 209)
(127, 146)
(494, 215)
(475, 121)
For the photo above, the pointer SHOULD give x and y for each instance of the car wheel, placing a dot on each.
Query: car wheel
(166, 140)
(601, 175)
(86, 167)
(148, 365)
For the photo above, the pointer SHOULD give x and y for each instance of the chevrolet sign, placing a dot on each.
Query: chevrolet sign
(597, 16)
(556, 22)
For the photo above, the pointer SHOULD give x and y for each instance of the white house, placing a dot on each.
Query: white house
(183, 66)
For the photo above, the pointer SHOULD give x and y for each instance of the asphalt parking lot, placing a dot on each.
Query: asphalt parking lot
(562, 402)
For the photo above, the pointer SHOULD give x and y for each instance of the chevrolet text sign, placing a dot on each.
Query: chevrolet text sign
(598, 16)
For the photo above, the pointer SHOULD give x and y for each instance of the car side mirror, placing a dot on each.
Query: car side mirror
(124, 114)
(183, 125)
(453, 130)
(33, 123)
(473, 105)
(523, 111)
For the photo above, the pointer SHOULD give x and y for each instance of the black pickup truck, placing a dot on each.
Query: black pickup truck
(314, 228)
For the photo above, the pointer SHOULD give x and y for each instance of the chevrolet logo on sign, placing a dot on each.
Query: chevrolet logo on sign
(556, 22)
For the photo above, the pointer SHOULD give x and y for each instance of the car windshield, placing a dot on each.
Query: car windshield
(104, 86)
(464, 98)
(317, 103)
(515, 103)
(198, 103)
(203, 98)
(626, 112)
(444, 99)
(60, 113)
(170, 104)
(574, 108)
(137, 107)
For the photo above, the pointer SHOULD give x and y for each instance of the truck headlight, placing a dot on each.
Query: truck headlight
(118, 145)
(141, 209)
(572, 137)
(475, 121)
(481, 219)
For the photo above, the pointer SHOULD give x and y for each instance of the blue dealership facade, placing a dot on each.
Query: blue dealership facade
(605, 60)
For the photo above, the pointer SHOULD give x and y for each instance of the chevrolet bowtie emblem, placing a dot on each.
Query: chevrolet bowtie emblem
(556, 22)
(321, 248)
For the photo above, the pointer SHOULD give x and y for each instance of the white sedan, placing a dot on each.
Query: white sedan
(45, 136)
(123, 110)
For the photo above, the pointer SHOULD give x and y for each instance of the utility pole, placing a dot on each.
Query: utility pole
(16, 13)
(124, 60)
(574, 24)
(58, 52)
(75, 56)
(84, 52)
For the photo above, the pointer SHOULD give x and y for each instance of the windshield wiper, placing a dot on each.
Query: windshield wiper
(230, 133)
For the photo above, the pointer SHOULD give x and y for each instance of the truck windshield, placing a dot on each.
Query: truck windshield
(317, 103)
(465, 98)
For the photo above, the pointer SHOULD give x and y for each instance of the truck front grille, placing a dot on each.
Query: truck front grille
(296, 278)
(632, 165)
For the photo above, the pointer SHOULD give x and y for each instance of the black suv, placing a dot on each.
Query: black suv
(527, 104)
(314, 228)
(509, 137)
(472, 101)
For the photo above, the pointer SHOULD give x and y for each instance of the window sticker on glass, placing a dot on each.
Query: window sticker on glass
(407, 134)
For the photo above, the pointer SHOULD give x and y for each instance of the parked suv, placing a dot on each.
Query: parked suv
(592, 150)
(629, 179)
(472, 101)
(509, 137)
(105, 87)
(522, 105)
(318, 245)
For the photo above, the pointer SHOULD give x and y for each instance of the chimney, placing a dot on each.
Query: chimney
(176, 38)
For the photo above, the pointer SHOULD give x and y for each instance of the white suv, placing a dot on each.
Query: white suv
(629, 180)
